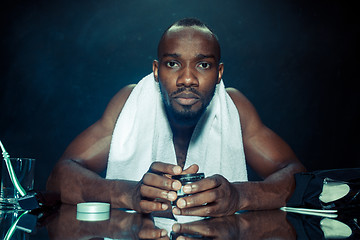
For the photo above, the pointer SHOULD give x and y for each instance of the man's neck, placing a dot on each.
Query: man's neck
(181, 139)
(182, 131)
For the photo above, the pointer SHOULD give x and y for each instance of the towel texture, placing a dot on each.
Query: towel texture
(143, 135)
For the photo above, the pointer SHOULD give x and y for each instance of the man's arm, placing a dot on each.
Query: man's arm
(266, 153)
(75, 176)
(269, 156)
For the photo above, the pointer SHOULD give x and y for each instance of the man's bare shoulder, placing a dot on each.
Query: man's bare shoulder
(121, 96)
(116, 104)
(247, 112)
(239, 99)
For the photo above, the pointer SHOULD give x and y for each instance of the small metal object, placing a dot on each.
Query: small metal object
(186, 179)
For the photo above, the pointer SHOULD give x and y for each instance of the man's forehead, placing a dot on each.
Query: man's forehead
(192, 35)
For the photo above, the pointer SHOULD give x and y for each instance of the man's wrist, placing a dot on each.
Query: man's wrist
(243, 202)
(124, 194)
(260, 195)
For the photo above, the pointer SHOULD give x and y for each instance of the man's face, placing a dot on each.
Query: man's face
(188, 71)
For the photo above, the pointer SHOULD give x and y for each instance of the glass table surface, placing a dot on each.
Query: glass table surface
(67, 223)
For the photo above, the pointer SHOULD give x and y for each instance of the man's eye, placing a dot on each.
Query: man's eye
(172, 64)
(204, 65)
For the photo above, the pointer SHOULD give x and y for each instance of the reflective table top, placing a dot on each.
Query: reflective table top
(67, 223)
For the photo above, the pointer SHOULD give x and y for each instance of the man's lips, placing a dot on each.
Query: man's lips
(186, 98)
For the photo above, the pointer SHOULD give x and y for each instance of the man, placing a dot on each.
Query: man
(190, 116)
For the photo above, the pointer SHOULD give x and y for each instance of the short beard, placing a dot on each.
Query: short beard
(186, 117)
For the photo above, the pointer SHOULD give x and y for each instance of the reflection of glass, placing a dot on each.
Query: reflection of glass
(24, 170)
(8, 219)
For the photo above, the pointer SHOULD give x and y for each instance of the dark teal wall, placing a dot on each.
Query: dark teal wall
(62, 61)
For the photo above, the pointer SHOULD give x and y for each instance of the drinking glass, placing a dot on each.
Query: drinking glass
(24, 169)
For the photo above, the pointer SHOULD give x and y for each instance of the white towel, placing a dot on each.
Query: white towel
(143, 135)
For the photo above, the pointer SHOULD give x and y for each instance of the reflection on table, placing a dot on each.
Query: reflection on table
(120, 224)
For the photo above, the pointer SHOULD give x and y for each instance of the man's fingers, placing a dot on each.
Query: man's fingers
(154, 193)
(165, 168)
(148, 231)
(153, 233)
(192, 169)
(170, 169)
(203, 211)
(162, 182)
(151, 206)
(199, 199)
(202, 185)
(196, 228)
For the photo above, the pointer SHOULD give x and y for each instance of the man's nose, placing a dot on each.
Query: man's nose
(187, 78)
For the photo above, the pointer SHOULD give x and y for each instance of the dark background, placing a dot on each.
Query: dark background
(62, 61)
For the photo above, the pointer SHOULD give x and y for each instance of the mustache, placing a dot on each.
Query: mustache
(185, 89)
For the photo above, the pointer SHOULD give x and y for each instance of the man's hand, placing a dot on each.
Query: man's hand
(156, 189)
(213, 196)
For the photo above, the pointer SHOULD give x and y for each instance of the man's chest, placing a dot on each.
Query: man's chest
(181, 152)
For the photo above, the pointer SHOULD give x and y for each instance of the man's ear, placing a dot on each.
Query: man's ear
(156, 70)
(221, 71)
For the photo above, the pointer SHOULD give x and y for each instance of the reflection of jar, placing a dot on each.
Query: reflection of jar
(174, 236)
(186, 179)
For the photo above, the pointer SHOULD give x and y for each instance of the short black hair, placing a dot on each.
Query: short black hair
(190, 22)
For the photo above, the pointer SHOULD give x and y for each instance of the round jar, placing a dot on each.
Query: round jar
(186, 179)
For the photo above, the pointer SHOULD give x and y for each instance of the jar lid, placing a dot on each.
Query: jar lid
(189, 177)
(93, 207)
